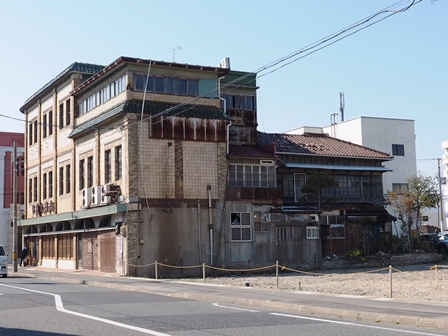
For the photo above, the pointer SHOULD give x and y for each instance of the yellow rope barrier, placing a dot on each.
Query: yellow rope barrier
(139, 266)
(280, 267)
(172, 266)
(297, 271)
(239, 270)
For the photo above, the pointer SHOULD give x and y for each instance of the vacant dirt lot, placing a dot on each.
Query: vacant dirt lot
(411, 282)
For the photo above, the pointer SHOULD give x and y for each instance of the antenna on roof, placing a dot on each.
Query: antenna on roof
(174, 51)
(341, 104)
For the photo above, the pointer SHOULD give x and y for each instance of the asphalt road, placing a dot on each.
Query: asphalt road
(42, 307)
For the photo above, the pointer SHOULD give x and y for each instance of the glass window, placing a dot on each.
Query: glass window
(67, 112)
(50, 184)
(107, 166)
(117, 163)
(182, 87)
(90, 171)
(299, 182)
(81, 174)
(252, 175)
(30, 134)
(44, 186)
(312, 232)
(50, 123)
(241, 226)
(398, 150)
(112, 90)
(169, 85)
(159, 84)
(192, 87)
(67, 179)
(61, 116)
(35, 131)
(30, 190)
(139, 82)
(399, 187)
(44, 126)
(61, 180)
(35, 189)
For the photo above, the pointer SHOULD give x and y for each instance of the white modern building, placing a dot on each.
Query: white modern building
(444, 187)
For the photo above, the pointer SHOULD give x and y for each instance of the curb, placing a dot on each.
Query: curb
(434, 324)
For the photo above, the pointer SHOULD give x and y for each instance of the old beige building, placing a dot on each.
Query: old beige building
(125, 169)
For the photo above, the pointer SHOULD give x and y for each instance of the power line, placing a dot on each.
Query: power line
(306, 51)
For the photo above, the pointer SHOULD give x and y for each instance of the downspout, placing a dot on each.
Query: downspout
(224, 104)
(199, 233)
(210, 225)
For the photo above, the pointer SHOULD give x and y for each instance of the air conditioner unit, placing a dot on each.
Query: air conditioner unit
(314, 217)
(96, 195)
(86, 197)
(265, 217)
(109, 193)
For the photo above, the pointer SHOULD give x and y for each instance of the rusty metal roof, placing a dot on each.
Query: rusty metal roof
(151, 108)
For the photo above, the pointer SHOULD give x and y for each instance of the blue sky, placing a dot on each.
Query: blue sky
(396, 68)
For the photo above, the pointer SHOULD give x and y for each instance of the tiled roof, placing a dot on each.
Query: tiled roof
(85, 68)
(318, 144)
(95, 122)
(152, 108)
(249, 152)
(187, 111)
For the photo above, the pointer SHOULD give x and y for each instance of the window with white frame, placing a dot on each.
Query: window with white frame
(261, 221)
(299, 182)
(312, 232)
(241, 226)
(252, 175)
(102, 95)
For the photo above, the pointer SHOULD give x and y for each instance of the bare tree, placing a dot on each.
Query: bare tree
(422, 193)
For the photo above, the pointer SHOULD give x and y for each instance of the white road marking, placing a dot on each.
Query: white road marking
(248, 310)
(354, 324)
(60, 307)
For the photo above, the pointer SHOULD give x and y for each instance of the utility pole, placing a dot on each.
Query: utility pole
(441, 196)
(14, 218)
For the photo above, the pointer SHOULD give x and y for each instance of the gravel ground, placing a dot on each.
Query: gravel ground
(410, 283)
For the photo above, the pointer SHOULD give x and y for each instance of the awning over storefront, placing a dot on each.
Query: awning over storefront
(335, 167)
(73, 215)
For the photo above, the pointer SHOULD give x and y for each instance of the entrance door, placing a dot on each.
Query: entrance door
(107, 252)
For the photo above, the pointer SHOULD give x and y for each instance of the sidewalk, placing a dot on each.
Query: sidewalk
(420, 314)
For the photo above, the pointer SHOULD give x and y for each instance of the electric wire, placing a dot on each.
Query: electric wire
(318, 45)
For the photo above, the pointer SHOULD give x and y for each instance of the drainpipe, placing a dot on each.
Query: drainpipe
(224, 104)
(199, 233)
(210, 225)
